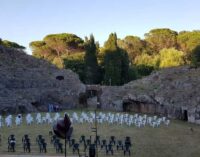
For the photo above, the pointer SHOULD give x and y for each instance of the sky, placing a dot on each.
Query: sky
(23, 21)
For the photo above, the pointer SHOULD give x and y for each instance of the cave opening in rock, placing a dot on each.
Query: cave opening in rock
(131, 106)
(60, 78)
(83, 99)
(126, 107)
(185, 115)
(35, 104)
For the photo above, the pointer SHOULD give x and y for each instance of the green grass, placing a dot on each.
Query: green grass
(177, 140)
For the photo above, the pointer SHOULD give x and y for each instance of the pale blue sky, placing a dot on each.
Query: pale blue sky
(23, 21)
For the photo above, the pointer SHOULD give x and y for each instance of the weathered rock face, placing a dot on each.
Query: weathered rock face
(29, 84)
(172, 92)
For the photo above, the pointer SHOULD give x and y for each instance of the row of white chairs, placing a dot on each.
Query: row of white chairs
(120, 118)
(87, 117)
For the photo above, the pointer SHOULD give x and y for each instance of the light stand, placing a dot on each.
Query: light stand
(66, 144)
(95, 130)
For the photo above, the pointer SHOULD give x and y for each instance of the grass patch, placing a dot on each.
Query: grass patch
(177, 140)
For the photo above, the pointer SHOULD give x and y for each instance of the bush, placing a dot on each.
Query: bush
(170, 58)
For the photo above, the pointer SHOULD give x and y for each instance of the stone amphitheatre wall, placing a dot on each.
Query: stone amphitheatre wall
(172, 92)
(29, 84)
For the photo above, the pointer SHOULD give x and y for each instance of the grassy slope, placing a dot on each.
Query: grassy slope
(177, 140)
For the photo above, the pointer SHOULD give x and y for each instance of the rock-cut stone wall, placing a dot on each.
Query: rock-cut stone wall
(172, 92)
(28, 84)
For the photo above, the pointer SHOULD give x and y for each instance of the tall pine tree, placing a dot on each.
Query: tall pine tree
(91, 65)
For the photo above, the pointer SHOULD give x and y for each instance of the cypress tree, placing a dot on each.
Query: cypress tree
(115, 62)
(90, 59)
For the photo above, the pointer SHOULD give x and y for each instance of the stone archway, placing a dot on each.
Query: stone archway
(93, 93)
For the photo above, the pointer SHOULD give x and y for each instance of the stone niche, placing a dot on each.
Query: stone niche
(139, 107)
(93, 94)
(60, 77)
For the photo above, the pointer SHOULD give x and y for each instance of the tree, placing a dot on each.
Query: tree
(125, 77)
(195, 57)
(11, 44)
(76, 63)
(115, 62)
(92, 75)
(145, 64)
(145, 59)
(76, 66)
(55, 47)
(170, 58)
(41, 50)
(133, 46)
(143, 70)
(63, 43)
(133, 73)
(157, 39)
(188, 41)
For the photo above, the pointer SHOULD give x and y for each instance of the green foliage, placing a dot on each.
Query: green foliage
(119, 61)
(63, 43)
(170, 58)
(124, 67)
(42, 50)
(112, 69)
(195, 57)
(148, 60)
(115, 62)
(145, 64)
(133, 45)
(75, 56)
(144, 70)
(11, 44)
(111, 44)
(92, 70)
(157, 39)
(133, 73)
(56, 46)
(187, 42)
(75, 62)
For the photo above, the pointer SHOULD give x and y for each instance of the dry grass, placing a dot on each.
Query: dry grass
(177, 140)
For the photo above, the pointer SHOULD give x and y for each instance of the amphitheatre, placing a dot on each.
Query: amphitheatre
(100, 78)
(28, 85)
(31, 84)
